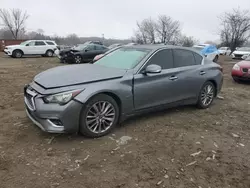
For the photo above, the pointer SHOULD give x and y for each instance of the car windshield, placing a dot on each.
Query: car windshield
(244, 49)
(81, 47)
(123, 58)
(24, 43)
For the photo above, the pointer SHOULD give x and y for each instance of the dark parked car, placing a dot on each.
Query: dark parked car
(82, 53)
(94, 98)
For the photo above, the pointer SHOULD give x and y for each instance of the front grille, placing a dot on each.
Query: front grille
(29, 95)
(238, 55)
(29, 101)
(244, 69)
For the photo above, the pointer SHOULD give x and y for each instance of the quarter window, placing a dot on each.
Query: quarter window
(39, 43)
(183, 58)
(50, 43)
(163, 58)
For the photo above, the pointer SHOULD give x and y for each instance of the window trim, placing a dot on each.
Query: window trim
(195, 59)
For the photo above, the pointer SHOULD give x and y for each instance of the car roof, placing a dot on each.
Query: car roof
(155, 47)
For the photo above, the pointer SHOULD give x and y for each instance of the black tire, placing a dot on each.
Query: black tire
(200, 102)
(17, 54)
(85, 129)
(49, 53)
(78, 59)
(216, 59)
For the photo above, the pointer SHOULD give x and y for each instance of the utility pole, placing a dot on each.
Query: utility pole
(102, 38)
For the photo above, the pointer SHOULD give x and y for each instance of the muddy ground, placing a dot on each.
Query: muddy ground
(155, 152)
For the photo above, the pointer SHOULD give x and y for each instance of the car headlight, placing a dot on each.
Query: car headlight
(236, 67)
(62, 98)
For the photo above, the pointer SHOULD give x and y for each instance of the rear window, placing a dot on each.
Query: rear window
(123, 58)
(50, 43)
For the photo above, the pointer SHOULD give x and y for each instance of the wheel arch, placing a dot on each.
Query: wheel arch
(18, 50)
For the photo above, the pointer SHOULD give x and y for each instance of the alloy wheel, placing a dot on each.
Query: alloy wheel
(207, 95)
(78, 59)
(100, 117)
(18, 54)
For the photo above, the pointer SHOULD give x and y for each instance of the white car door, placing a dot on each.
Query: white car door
(29, 48)
(41, 47)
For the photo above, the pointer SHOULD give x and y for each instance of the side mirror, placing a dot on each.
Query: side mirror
(153, 69)
(27, 45)
(86, 50)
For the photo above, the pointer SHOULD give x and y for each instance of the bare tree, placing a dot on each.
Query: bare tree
(14, 20)
(235, 29)
(167, 29)
(187, 41)
(146, 31)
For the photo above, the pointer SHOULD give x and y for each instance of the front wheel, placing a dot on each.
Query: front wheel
(206, 95)
(99, 116)
(78, 59)
(17, 54)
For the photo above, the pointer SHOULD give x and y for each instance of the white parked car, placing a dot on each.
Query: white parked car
(32, 47)
(241, 53)
(224, 51)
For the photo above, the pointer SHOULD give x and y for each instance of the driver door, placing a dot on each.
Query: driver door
(152, 90)
(29, 48)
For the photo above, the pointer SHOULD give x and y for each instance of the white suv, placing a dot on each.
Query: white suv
(32, 47)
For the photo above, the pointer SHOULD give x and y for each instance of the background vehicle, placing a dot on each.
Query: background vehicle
(82, 53)
(241, 53)
(32, 47)
(241, 70)
(224, 51)
(208, 50)
(94, 98)
(114, 46)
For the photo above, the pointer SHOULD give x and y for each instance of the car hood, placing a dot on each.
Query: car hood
(241, 52)
(76, 74)
(12, 46)
(244, 64)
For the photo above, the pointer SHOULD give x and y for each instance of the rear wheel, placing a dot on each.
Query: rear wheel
(49, 53)
(206, 95)
(17, 54)
(99, 116)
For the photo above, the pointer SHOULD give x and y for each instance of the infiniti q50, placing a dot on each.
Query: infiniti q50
(93, 98)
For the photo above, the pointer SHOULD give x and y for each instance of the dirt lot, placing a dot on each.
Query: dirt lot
(158, 153)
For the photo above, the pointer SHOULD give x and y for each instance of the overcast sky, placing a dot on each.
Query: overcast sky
(117, 18)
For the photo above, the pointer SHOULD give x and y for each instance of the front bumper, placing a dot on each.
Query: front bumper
(7, 52)
(53, 118)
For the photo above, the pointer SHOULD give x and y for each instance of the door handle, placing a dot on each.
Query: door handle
(173, 78)
(202, 72)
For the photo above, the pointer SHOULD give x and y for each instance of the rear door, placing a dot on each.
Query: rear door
(40, 47)
(189, 72)
(152, 90)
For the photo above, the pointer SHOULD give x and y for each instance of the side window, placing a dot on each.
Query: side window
(32, 43)
(50, 43)
(39, 43)
(183, 58)
(163, 58)
(91, 47)
(99, 47)
(198, 58)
